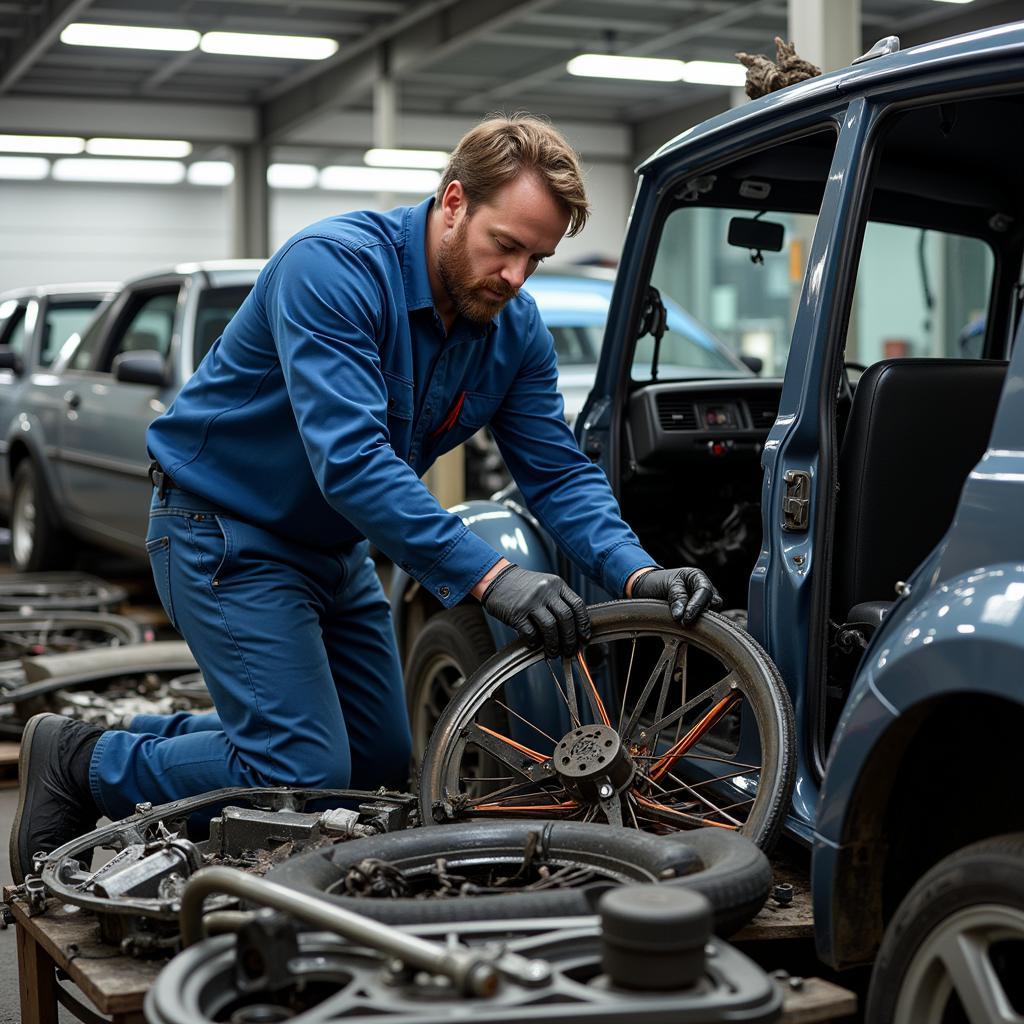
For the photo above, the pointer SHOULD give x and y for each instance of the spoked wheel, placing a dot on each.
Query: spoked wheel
(653, 727)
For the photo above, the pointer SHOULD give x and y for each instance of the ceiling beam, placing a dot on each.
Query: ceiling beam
(548, 71)
(428, 35)
(42, 30)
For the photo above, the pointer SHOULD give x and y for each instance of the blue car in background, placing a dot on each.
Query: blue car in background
(860, 506)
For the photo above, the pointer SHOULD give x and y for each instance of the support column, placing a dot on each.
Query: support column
(826, 32)
(250, 203)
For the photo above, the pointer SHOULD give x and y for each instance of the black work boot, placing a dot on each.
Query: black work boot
(55, 804)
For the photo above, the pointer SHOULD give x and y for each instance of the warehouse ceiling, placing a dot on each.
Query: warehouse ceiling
(454, 57)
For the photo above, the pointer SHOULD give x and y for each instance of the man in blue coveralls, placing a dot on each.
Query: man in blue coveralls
(370, 344)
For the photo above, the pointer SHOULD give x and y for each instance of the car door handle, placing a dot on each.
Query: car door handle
(72, 399)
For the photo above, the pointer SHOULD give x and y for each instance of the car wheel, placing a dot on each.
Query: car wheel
(954, 950)
(37, 541)
(450, 648)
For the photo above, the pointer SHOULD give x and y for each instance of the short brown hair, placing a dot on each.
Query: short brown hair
(500, 148)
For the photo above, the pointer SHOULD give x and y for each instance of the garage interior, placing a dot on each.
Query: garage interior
(123, 159)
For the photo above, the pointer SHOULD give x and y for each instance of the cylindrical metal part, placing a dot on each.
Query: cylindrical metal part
(470, 971)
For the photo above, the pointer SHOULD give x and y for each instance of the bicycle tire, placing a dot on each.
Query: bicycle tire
(727, 642)
(730, 871)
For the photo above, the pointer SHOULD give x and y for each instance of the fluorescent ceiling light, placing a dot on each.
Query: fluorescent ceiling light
(715, 72)
(27, 168)
(378, 179)
(141, 172)
(130, 37)
(251, 44)
(956, 1)
(210, 172)
(292, 176)
(433, 158)
(645, 69)
(168, 148)
(40, 144)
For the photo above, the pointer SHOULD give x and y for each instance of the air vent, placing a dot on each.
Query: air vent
(763, 411)
(676, 412)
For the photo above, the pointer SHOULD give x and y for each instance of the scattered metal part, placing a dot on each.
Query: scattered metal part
(554, 962)
(52, 590)
(782, 893)
(136, 894)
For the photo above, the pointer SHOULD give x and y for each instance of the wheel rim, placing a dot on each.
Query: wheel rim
(687, 742)
(960, 970)
(23, 523)
(440, 680)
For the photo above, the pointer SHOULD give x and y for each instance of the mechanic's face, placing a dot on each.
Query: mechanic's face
(487, 252)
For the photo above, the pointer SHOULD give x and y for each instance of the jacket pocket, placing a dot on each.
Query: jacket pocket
(478, 409)
(400, 397)
(159, 551)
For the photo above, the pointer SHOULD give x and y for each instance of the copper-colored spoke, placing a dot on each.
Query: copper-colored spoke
(569, 693)
(516, 789)
(683, 789)
(691, 819)
(504, 808)
(595, 697)
(531, 754)
(677, 750)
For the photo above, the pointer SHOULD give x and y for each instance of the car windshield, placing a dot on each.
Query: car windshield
(575, 309)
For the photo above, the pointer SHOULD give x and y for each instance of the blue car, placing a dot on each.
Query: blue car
(860, 505)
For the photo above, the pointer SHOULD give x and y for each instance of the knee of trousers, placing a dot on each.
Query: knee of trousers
(329, 770)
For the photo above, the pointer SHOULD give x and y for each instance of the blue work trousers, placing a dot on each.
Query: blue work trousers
(297, 648)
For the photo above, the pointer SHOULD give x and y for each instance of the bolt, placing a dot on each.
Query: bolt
(605, 791)
(783, 894)
(143, 808)
(796, 984)
(798, 559)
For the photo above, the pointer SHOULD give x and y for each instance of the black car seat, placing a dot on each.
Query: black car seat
(917, 428)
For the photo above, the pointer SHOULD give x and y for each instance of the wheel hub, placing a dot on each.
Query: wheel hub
(593, 764)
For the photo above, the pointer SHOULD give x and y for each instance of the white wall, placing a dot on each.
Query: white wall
(55, 231)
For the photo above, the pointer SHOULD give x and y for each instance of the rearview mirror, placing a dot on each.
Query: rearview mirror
(145, 367)
(759, 235)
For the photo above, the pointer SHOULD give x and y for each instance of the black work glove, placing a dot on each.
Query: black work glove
(688, 592)
(540, 608)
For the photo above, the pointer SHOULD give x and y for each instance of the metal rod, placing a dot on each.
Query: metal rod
(470, 971)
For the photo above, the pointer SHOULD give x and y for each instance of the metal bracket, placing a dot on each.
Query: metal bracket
(797, 501)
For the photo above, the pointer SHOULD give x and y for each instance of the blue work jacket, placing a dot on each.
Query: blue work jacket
(334, 388)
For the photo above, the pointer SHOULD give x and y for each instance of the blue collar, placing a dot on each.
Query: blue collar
(414, 258)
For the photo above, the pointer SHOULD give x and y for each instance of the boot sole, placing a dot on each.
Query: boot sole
(26, 788)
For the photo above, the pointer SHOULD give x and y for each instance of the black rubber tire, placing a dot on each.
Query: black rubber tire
(769, 701)
(729, 870)
(988, 873)
(457, 638)
(50, 543)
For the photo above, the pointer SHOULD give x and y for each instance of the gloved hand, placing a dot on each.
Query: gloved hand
(688, 592)
(540, 608)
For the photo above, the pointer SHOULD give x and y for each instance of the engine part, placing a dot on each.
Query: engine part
(136, 893)
(546, 968)
(52, 590)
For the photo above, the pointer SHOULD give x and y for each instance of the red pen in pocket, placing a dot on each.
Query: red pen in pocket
(451, 418)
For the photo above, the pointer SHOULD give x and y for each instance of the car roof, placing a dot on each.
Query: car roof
(989, 43)
(86, 288)
(217, 273)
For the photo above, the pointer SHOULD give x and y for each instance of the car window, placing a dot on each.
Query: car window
(149, 329)
(62, 320)
(919, 293)
(215, 308)
(14, 335)
(577, 345)
(79, 351)
(738, 303)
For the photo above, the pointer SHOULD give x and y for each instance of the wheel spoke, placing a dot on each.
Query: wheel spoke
(516, 756)
(596, 704)
(683, 787)
(965, 957)
(516, 789)
(625, 688)
(662, 811)
(569, 693)
(713, 693)
(677, 750)
(662, 670)
(526, 721)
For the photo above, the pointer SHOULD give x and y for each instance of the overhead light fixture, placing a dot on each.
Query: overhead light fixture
(210, 172)
(714, 72)
(956, 1)
(130, 37)
(431, 158)
(378, 179)
(24, 168)
(170, 149)
(40, 144)
(292, 176)
(129, 172)
(252, 44)
(642, 69)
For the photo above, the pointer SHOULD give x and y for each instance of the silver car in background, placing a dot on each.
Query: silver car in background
(35, 322)
(76, 447)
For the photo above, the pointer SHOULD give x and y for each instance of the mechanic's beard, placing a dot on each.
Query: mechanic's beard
(464, 289)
